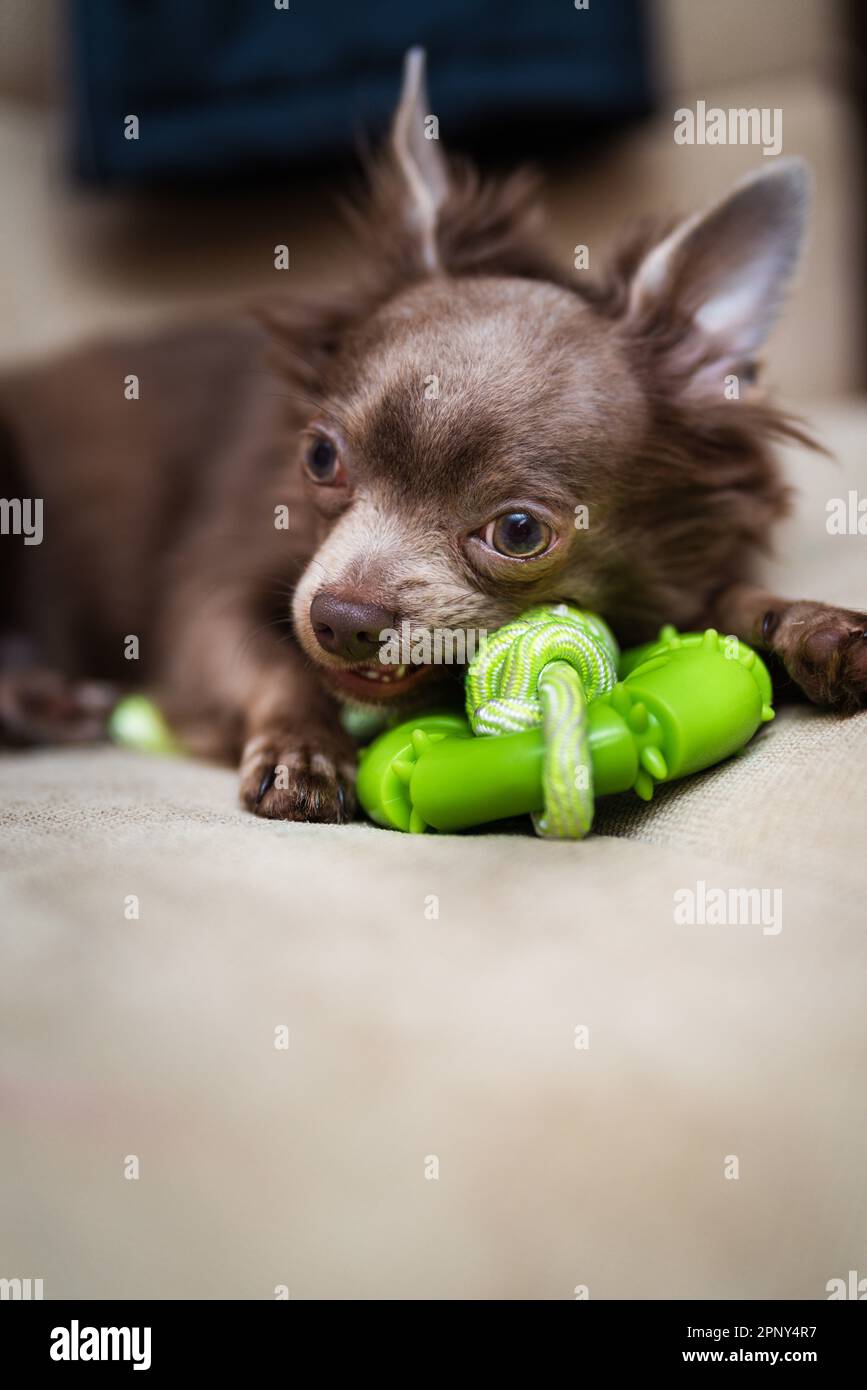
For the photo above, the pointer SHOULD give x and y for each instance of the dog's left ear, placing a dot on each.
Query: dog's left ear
(418, 162)
(707, 295)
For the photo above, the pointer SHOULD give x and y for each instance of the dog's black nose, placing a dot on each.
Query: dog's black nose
(346, 627)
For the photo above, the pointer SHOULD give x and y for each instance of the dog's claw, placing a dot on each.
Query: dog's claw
(266, 783)
(770, 623)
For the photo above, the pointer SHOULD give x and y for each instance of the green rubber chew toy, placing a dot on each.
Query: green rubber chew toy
(557, 718)
(137, 723)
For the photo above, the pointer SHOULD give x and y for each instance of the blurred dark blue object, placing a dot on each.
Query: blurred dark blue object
(224, 88)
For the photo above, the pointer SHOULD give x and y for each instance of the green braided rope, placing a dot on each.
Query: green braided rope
(567, 771)
(544, 668)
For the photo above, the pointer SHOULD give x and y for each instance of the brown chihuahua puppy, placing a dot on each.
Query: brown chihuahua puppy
(424, 460)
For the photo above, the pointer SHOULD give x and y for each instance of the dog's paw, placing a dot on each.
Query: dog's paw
(823, 649)
(38, 705)
(287, 774)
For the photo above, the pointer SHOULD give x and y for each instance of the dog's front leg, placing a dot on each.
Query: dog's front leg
(824, 649)
(238, 689)
(296, 763)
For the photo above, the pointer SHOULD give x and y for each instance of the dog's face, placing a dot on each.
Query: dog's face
(488, 441)
(473, 418)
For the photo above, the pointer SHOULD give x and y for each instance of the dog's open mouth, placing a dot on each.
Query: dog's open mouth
(375, 681)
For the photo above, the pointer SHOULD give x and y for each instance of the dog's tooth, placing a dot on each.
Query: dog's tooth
(400, 672)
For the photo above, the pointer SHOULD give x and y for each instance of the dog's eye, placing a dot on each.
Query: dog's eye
(520, 535)
(321, 461)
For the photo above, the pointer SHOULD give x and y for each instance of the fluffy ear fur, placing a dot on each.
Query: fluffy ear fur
(418, 161)
(426, 214)
(709, 291)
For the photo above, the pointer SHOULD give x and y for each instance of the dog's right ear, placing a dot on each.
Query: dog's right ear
(424, 213)
(423, 181)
